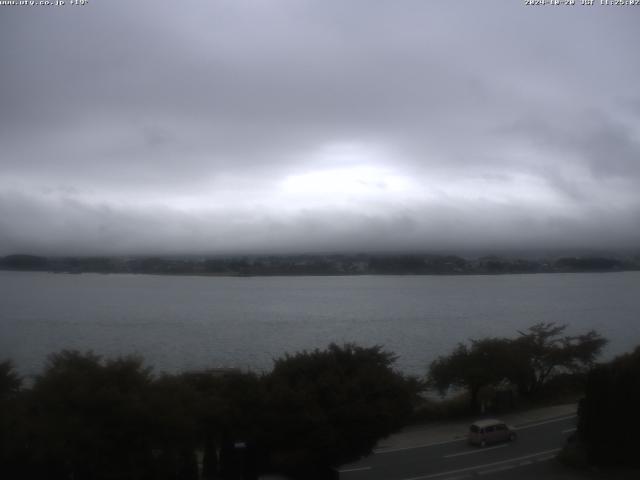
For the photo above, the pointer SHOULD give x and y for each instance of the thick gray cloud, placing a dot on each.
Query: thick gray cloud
(214, 126)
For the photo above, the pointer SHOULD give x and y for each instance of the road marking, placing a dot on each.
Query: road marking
(476, 467)
(424, 445)
(569, 430)
(479, 450)
(497, 469)
(356, 469)
(545, 422)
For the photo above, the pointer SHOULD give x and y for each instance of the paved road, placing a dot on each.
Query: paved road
(537, 443)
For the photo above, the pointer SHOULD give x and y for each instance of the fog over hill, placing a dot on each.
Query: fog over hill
(337, 264)
(303, 126)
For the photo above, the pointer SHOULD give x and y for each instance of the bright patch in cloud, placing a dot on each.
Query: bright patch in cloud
(354, 181)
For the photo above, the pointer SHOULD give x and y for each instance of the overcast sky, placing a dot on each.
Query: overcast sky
(290, 125)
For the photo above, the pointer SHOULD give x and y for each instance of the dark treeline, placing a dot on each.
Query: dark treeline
(540, 360)
(88, 418)
(359, 264)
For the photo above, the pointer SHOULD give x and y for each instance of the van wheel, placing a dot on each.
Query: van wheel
(512, 437)
(483, 443)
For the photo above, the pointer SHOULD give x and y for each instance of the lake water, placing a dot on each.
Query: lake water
(180, 322)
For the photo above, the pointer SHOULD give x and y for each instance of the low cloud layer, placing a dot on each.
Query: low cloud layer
(225, 126)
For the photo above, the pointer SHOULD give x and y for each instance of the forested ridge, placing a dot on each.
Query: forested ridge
(345, 264)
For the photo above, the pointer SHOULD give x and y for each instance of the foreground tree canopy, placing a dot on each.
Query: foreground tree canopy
(339, 402)
(528, 361)
(90, 418)
(609, 415)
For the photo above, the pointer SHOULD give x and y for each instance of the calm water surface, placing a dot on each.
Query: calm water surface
(181, 323)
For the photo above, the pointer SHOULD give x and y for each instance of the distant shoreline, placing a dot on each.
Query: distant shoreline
(320, 265)
(272, 275)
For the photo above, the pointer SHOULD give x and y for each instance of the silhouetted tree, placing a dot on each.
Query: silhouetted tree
(90, 418)
(609, 415)
(229, 408)
(542, 350)
(327, 407)
(528, 361)
(12, 423)
(10, 381)
(172, 404)
(483, 363)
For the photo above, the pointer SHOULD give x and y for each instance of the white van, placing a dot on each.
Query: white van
(484, 432)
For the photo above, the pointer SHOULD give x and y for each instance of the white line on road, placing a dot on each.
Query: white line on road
(479, 450)
(424, 445)
(569, 430)
(357, 469)
(546, 458)
(476, 467)
(497, 469)
(545, 422)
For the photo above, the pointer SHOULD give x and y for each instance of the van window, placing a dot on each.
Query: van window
(489, 429)
(501, 427)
